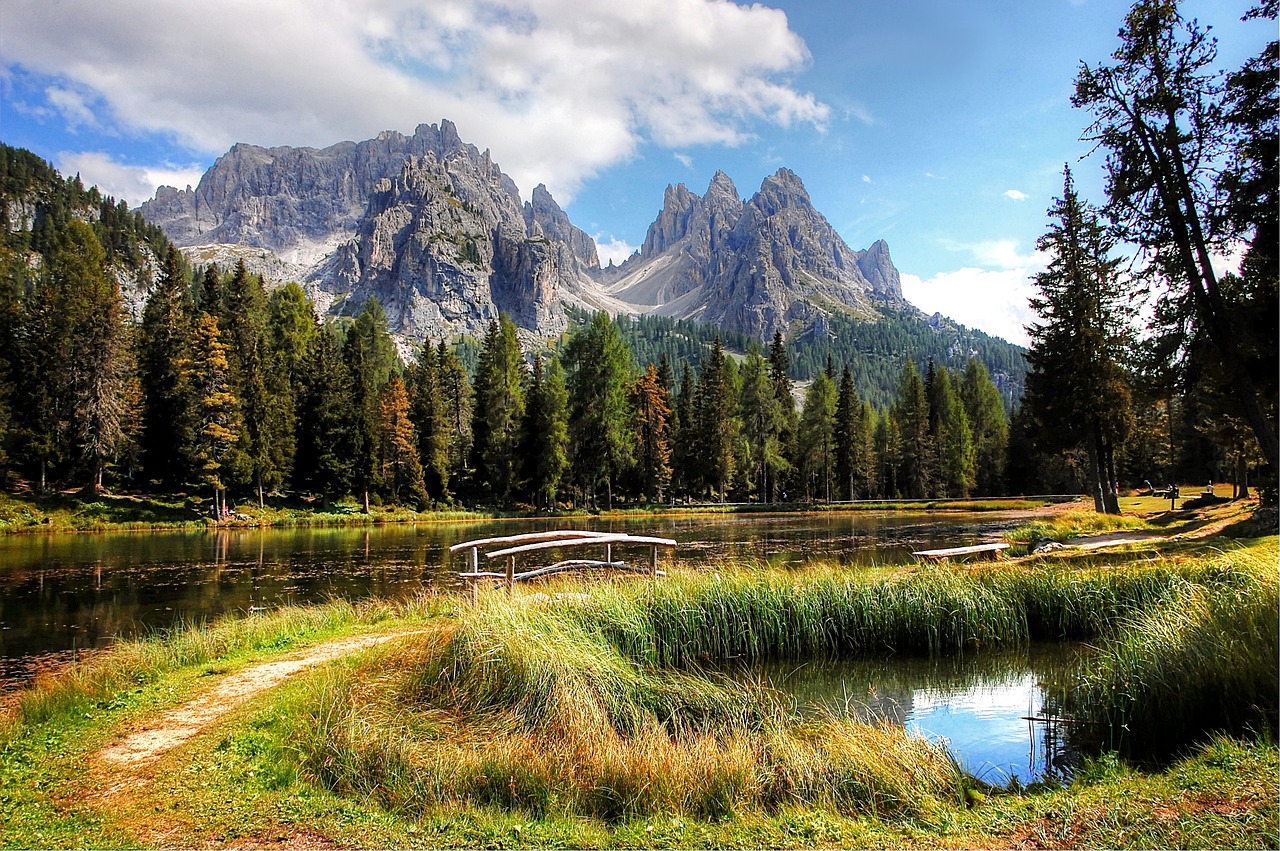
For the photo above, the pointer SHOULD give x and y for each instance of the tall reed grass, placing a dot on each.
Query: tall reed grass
(1206, 661)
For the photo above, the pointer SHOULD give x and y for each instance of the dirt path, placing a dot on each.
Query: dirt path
(182, 723)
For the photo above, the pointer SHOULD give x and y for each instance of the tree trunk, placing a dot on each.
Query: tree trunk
(1095, 477)
(366, 500)
(1111, 488)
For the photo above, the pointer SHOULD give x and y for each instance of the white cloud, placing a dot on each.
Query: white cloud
(1000, 253)
(133, 184)
(866, 178)
(613, 250)
(684, 159)
(1015, 195)
(559, 89)
(992, 301)
(71, 106)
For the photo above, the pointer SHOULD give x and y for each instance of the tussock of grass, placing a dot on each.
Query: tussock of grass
(1204, 661)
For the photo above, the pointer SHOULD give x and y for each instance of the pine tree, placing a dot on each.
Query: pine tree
(853, 463)
(717, 422)
(399, 468)
(684, 452)
(214, 413)
(324, 462)
(164, 344)
(458, 395)
(545, 435)
(98, 362)
(598, 368)
(816, 438)
(990, 428)
(653, 452)
(430, 414)
(498, 412)
(1163, 115)
(911, 415)
(1076, 390)
(779, 374)
(763, 423)
(370, 357)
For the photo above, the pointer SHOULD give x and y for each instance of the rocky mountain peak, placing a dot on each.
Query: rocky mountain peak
(543, 216)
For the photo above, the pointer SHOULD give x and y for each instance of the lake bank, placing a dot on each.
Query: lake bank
(72, 512)
(348, 753)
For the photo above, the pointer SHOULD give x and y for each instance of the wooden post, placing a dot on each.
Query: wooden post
(653, 562)
(608, 553)
(511, 574)
(475, 559)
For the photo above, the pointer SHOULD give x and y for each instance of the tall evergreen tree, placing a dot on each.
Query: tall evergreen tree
(498, 412)
(324, 462)
(816, 438)
(545, 436)
(1161, 112)
(779, 374)
(429, 411)
(1076, 390)
(990, 427)
(717, 423)
(853, 461)
(370, 357)
(98, 361)
(598, 368)
(457, 393)
(911, 417)
(653, 452)
(763, 424)
(684, 451)
(164, 343)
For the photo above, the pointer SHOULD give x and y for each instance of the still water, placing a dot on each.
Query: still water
(60, 594)
(995, 711)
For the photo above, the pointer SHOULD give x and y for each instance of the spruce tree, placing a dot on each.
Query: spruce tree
(370, 357)
(545, 436)
(399, 468)
(598, 377)
(717, 422)
(98, 362)
(498, 412)
(914, 446)
(457, 393)
(1076, 390)
(816, 437)
(990, 428)
(164, 344)
(325, 458)
(653, 452)
(214, 414)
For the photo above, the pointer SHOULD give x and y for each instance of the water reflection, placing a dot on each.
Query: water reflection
(982, 705)
(63, 593)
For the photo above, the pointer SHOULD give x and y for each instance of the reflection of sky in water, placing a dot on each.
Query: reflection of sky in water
(978, 704)
(985, 727)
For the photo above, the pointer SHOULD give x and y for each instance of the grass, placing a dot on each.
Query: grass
(1075, 523)
(596, 721)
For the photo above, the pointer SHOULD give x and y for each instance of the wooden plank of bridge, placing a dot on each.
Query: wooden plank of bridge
(954, 552)
(598, 538)
(528, 537)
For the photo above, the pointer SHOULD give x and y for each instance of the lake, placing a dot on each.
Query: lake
(61, 594)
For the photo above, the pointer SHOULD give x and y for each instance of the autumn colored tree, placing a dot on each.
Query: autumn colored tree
(653, 452)
(214, 413)
(399, 468)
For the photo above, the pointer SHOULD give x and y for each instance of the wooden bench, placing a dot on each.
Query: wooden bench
(537, 541)
(992, 550)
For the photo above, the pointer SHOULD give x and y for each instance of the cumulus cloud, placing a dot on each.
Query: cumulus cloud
(133, 184)
(995, 301)
(1015, 195)
(613, 250)
(559, 89)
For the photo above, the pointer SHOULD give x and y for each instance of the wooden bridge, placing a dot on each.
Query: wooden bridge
(509, 546)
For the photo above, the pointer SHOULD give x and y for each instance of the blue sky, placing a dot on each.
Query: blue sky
(941, 127)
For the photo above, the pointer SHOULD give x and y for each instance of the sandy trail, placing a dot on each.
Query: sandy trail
(183, 723)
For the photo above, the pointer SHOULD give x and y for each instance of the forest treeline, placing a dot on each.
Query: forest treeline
(1147, 368)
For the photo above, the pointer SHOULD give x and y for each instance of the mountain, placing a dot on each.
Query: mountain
(431, 227)
(770, 263)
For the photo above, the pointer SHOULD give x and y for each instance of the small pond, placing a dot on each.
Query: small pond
(978, 703)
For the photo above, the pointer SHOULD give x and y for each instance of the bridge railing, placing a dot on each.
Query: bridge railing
(510, 546)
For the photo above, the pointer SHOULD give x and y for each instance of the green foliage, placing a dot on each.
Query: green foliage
(498, 412)
(598, 378)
